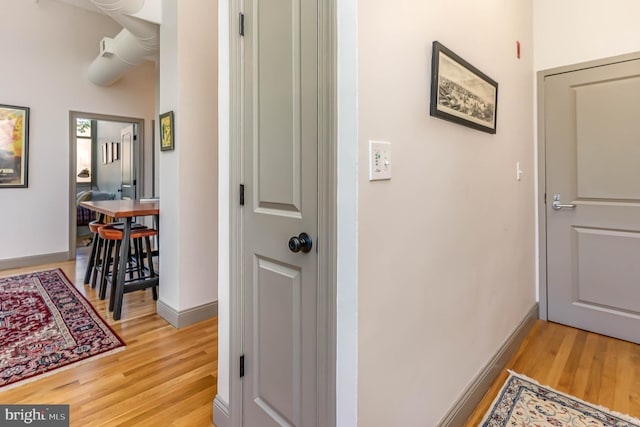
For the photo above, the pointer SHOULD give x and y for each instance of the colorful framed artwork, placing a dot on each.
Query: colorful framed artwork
(460, 93)
(14, 146)
(166, 131)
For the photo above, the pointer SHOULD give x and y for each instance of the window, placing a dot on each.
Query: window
(83, 149)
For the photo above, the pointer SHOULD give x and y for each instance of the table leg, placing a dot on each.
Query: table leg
(122, 268)
(92, 258)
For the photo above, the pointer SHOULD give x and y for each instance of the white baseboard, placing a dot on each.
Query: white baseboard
(31, 261)
(221, 413)
(181, 319)
(464, 407)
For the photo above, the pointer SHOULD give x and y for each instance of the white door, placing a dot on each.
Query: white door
(127, 142)
(592, 131)
(280, 148)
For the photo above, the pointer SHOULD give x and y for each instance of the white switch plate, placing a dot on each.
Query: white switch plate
(518, 172)
(379, 160)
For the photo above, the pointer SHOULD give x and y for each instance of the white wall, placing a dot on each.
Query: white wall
(224, 223)
(167, 161)
(446, 248)
(572, 31)
(189, 189)
(47, 49)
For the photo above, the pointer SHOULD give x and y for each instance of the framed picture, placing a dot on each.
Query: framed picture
(115, 149)
(460, 92)
(166, 131)
(14, 146)
(109, 152)
(103, 150)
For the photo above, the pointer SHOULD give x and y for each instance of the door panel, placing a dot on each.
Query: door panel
(593, 159)
(280, 145)
(609, 257)
(127, 138)
(277, 83)
(277, 336)
(608, 146)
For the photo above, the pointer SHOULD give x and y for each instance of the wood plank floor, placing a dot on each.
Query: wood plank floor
(164, 377)
(167, 376)
(601, 370)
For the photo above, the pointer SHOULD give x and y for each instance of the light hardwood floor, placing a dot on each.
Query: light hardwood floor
(164, 377)
(601, 370)
(167, 376)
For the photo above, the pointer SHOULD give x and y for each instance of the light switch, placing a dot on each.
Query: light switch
(379, 160)
(518, 172)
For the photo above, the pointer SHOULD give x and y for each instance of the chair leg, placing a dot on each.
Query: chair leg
(129, 257)
(152, 272)
(114, 276)
(92, 263)
(104, 269)
(137, 243)
(97, 261)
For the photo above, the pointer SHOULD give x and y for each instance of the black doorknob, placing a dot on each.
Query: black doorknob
(301, 243)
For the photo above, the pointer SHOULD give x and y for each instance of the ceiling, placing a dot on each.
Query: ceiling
(84, 4)
(151, 10)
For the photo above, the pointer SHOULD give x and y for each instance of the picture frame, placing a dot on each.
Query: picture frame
(14, 146)
(103, 152)
(109, 146)
(115, 149)
(167, 131)
(460, 93)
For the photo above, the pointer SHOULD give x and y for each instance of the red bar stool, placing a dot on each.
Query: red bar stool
(146, 274)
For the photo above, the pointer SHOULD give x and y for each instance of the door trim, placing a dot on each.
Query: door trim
(542, 183)
(327, 215)
(73, 115)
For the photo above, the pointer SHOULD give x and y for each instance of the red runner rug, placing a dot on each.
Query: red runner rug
(46, 324)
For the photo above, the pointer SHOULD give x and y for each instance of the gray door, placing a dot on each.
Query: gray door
(127, 142)
(280, 145)
(592, 128)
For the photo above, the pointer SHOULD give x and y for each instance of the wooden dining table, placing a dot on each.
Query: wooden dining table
(126, 210)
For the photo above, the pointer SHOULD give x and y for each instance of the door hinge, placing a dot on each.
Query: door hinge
(135, 182)
(242, 24)
(135, 137)
(242, 366)
(241, 194)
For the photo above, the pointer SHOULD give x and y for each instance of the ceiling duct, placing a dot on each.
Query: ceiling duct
(138, 41)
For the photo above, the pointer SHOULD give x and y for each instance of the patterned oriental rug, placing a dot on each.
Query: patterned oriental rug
(46, 325)
(523, 402)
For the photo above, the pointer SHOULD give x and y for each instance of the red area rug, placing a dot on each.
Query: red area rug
(46, 325)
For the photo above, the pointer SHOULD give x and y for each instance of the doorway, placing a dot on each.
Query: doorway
(106, 157)
(282, 169)
(590, 215)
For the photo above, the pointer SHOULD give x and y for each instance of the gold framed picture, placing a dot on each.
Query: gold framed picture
(166, 131)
